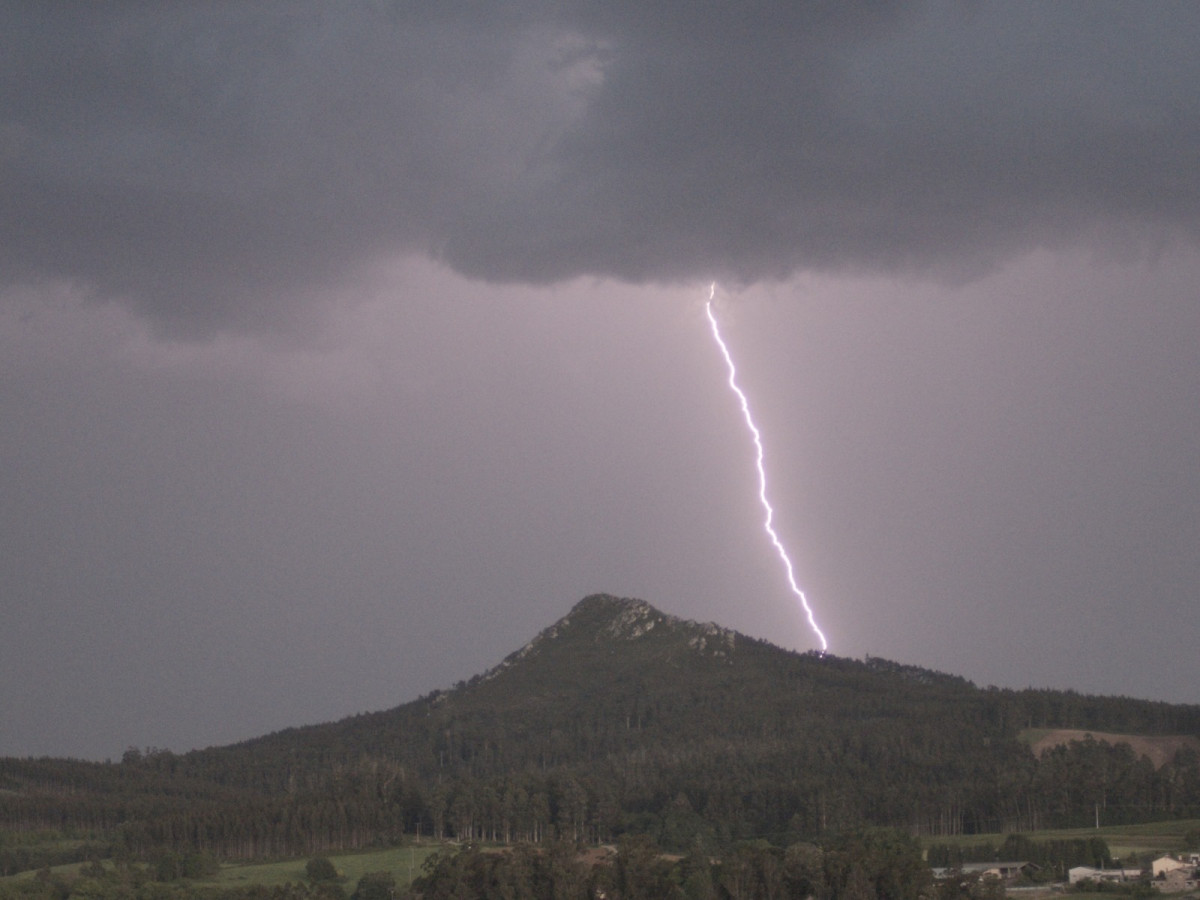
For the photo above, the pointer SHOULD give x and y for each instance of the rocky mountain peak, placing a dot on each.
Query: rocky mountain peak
(616, 617)
(600, 618)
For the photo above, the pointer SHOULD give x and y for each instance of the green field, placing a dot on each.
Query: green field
(1123, 840)
(403, 862)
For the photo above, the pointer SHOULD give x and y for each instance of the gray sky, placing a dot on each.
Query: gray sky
(344, 347)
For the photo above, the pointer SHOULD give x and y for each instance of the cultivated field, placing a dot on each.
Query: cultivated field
(403, 862)
(1153, 838)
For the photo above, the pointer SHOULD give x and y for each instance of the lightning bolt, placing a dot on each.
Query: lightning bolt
(762, 472)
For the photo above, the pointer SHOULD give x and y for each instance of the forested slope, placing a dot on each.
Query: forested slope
(619, 718)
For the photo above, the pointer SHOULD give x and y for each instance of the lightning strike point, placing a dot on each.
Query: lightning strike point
(762, 472)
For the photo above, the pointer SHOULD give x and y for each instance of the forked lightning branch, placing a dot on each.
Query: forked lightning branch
(762, 472)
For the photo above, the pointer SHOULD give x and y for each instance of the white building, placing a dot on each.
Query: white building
(1005, 871)
(1084, 873)
(1165, 864)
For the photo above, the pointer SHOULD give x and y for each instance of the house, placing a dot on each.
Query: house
(1086, 873)
(1165, 864)
(1177, 880)
(1005, 871)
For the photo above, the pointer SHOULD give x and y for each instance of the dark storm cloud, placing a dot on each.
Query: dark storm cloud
(210, 163)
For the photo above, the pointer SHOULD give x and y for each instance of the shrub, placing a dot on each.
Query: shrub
(319, 868)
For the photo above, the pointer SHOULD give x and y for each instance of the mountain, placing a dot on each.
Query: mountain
(620, 718)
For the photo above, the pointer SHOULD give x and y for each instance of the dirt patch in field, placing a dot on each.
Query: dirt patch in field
(1159, 748)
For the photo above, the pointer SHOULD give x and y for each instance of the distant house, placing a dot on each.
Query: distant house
(1176, 881)
(1087, 873)
(1005, 871)
(1165, 864)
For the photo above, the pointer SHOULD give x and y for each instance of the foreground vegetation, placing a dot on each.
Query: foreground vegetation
(870, 863)
(858, 865)
(164, 874)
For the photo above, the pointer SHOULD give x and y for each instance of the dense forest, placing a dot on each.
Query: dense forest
(620, 720)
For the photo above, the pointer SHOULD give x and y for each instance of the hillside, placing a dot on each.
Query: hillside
(620, 718)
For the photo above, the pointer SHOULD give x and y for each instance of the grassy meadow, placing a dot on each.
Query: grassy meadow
(403, 862)
(1152, 838)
